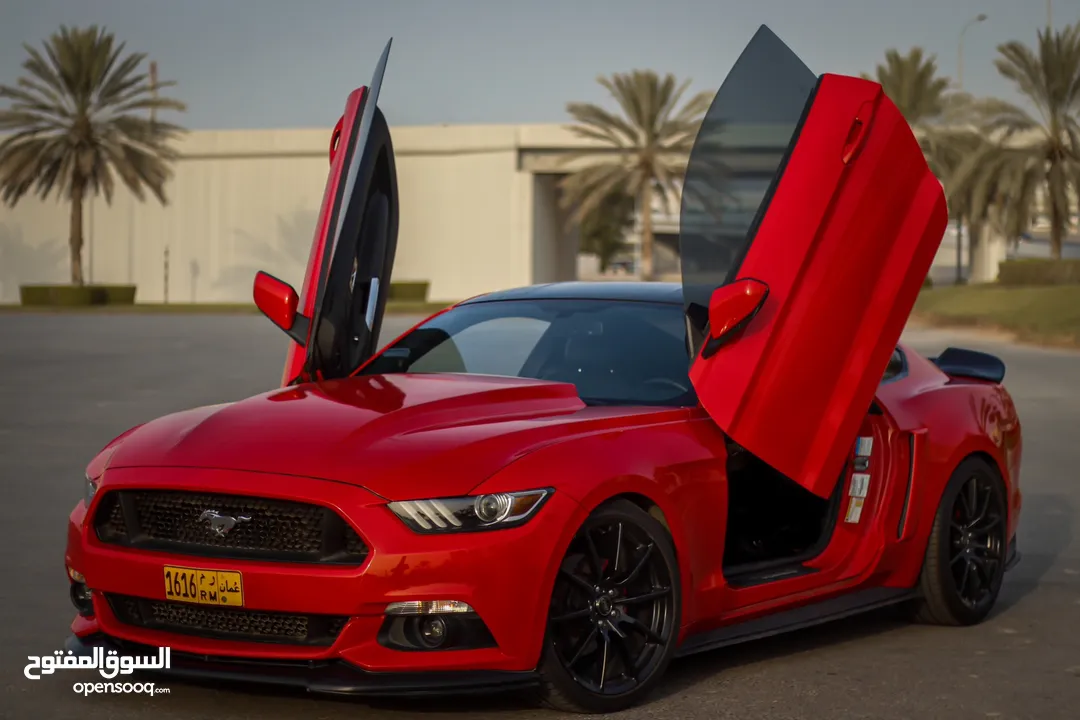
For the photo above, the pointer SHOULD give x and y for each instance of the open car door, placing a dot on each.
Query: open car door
(334, 324)
(809, 221)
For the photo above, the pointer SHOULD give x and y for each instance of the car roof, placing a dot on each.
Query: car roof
(669, 293)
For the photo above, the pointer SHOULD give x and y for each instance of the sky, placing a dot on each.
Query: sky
(291, 63)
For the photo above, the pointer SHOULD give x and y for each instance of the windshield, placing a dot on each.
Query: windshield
(615, 353)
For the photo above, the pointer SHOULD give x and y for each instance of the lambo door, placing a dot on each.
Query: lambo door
(809, 220)
(341, 305)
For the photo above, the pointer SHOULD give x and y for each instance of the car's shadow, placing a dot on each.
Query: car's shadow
(1045, 532)
(682, 675)
(687, 672)
(1040, 546)
(514, 701)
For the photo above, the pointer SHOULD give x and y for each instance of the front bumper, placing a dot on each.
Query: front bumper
(505, 576)
(333, 677)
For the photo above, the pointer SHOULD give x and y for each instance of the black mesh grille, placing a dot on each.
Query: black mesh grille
(114, 522)
(227, 623)
(215, 525)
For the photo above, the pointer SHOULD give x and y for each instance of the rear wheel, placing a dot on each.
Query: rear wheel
(965, 559)
(614, 616)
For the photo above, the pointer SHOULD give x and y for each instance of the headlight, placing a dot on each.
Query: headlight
(89, 490)
(467, 514)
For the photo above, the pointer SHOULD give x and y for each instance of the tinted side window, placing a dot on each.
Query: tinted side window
(738, 156)
(896, 367)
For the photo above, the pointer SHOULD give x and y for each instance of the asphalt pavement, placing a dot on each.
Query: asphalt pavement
(68, 384)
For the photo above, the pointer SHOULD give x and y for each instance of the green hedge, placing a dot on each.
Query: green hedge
(1037, 271)
(75, 295)
(1048, 314)
(87, 295)
(409, 291)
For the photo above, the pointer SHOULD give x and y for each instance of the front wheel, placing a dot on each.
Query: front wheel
(965, 559)
(614, 616)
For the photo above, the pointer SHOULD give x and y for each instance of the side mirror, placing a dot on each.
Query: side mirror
(731, 308)
(277, 300)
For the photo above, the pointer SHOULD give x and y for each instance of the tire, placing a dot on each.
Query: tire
(614, 617)
(953, 565)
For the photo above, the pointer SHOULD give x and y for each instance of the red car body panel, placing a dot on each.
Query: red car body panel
(295, 355)
(381, 432)
(673, 458)
(812, 357)
(793, 388)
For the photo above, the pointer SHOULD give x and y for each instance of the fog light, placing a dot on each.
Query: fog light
(75, 575)
(82, 598)
(433, 631)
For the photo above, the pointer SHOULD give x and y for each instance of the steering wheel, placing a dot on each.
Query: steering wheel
(667, 382)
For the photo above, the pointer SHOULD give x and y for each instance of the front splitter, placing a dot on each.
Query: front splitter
(333, 677)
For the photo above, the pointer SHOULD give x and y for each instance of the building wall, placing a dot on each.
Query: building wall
(555, 246)
(479, 212)
(237, 203)
(243, 201)
(466, 223)
(545, 229)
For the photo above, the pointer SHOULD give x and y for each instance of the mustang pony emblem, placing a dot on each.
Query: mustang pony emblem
(220, 524)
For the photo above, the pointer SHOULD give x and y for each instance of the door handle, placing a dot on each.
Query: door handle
(857, 134)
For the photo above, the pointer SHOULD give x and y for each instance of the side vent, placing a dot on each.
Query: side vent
(915, 444)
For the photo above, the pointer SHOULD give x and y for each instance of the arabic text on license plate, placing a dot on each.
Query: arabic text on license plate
(204, 587)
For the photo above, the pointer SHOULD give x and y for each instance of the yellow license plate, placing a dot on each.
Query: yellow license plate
(204, 587)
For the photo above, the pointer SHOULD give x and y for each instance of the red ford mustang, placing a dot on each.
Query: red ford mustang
(563, 487)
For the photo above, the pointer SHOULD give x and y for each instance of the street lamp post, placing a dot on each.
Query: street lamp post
(981, 17)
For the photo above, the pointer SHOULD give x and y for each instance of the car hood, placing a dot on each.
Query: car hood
(399, 436)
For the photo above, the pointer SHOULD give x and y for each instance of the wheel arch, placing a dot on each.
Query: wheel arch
(648, 505)
(937, 603)
(987, 458)
(981, 455)
(932, 493)
(655, 511)
(959, 421)
(650, 466)
(1009, 486)
(624, 508)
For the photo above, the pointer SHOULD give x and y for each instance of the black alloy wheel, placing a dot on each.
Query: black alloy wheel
(978, 547)
(614, 616)
(965, 560)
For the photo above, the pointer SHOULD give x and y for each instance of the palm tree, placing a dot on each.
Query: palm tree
(912, 82)
(651, 141)
(925, 100)
(75, 121)
(1030, 154)
(980, 203)
(603, 231)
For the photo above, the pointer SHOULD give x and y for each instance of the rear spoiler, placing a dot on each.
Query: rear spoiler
(958, 362)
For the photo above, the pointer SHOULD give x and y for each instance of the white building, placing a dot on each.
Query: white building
(479, 212)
